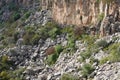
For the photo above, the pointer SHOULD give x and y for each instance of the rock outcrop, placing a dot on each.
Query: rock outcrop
(79, 12)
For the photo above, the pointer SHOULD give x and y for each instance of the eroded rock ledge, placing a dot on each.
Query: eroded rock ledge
(79, 12)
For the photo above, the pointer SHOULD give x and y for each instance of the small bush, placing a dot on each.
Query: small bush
(79, 31)
(107, 1)
(6, 73)
(4, 59)
(102, 43)
(114, 52)
(1, 25)
(51, 30)
(101, 16)
(51, 59)
(58, 49)
(16, 36)
(85, 55)
(50, 50)
(88, 39)
(68, 29)
(104, 60)
(43, 33)
(29, 36)
(16, 16)
(68, 77)
(53, 33)
(35, 39)
(71, 43)
(93, 60)
(27, 14)
(53, 54)
(87, 69)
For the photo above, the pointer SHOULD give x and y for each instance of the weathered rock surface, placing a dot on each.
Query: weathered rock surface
(108, 72)
(79, 12)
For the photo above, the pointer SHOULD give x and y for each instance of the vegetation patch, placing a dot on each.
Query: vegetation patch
(53, 54)
(102, 43)
(5, 70)
(51, 30)
(87, 69)
(101, 16)
(114, 52)
(68, 77)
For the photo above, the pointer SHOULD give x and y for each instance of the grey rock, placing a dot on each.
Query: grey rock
(19, 42)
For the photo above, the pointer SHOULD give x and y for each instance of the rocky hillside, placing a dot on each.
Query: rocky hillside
(59, 40)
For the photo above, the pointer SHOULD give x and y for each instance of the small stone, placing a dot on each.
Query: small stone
(49, 77)
(57, 74)
(108, 62)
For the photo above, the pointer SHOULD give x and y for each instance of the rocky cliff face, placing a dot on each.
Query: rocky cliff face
(79, 12)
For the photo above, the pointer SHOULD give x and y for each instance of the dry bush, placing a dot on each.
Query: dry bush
(50, 50)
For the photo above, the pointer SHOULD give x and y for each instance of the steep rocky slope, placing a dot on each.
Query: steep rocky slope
(42, 40)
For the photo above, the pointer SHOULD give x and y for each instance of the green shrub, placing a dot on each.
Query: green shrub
(27, 14)
(93, 60)
(114, 52)
(2, 25)
(35, 39)
(16, 16)
(71, 43)
(102, 43)
(16, 36)
(101, 16)
(4, 59)
(52, 57)
(85, 55)
(6, 73)
(89, 40)
(79, 31)
(51, 30)
(108, 1)
(104, 60)
(87, 69)
(97, 1)
(58, 49)
(68, 29)
(28, 36)
(43, 33)
(68, 77)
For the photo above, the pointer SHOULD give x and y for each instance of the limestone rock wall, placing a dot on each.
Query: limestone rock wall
(79, 12)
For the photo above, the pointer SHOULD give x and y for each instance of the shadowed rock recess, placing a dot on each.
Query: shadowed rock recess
(59, 39)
